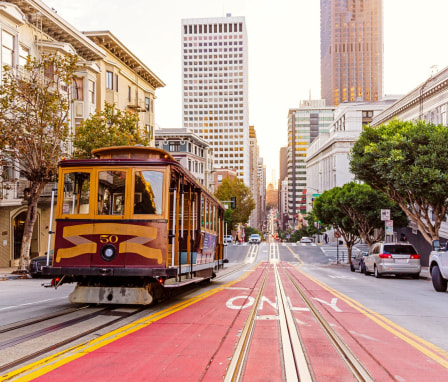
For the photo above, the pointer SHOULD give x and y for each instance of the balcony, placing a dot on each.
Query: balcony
(23, 184)
(137, 104)
(9, 194)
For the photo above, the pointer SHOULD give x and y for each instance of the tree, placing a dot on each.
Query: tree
(363, 206)
(327, 210)
(34, 110)
(109, 127)
(355, 210)
(408, 162)
(244, 200)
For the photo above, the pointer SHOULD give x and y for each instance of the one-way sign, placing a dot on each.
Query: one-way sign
(385, 215)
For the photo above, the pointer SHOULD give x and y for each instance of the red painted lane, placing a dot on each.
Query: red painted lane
(264, 359)
(197, 343)
(326, 363)
(386, 356)
(177, 347)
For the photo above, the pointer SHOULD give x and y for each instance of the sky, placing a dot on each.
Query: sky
(284, 51)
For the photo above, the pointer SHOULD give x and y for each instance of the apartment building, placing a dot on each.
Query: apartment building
(215, 88)
(190, 150)
(328, 156)
(305, 124)
(32, 28)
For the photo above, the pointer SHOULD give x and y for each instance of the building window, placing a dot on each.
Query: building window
(79, 92)
(149, 132)
(7, 48)
(23, 55)
(109, 80)
(129, 94)
(92, 91)
(147, 103)
(174, 146)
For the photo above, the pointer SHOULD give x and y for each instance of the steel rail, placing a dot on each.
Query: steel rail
(297, 367)
(7, 328)
(235, 369)
(353, 363)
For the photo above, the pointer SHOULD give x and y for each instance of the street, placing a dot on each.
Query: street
(398, 315)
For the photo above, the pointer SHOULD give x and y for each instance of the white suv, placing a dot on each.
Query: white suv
(255, 239)
(438, 266)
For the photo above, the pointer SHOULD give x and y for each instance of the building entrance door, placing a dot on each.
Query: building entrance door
(19, 226)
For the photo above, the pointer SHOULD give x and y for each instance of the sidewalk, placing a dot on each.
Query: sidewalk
(6, 274)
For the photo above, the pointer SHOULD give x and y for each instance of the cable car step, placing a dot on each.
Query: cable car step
(177, 284)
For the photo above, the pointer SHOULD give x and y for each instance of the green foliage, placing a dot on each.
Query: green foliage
(34, 111)
(109, 127)
(409, 162)
(244, 200)
(327, 210)
(355, 210)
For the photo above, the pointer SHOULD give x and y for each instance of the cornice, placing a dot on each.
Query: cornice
(45, 19)
(108, 41)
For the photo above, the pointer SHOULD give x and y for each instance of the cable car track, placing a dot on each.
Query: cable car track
(24, 324)
(296, 364)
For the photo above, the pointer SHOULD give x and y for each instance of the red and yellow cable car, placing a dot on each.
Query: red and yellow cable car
(132, 223)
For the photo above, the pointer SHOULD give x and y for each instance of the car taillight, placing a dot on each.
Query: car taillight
(414, 256)
(385, 256)
(55, 281)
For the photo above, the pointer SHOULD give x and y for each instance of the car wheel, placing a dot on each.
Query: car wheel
(352, 268)
(377, 274)
(438, 282)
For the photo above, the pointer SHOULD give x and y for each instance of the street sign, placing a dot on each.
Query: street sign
(389, 227)
(337, 235)
(385, 215)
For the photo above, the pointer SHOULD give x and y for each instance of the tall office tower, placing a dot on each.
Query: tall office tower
(351, 50)
(304, 125)
(215, 88)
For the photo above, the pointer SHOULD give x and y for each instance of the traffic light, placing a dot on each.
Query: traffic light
(233, 202)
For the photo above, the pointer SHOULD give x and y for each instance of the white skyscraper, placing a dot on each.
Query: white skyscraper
(215, 88)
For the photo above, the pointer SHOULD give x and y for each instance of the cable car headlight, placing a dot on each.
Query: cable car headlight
(108, 252)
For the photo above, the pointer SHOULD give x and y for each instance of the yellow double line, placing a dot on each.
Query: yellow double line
(430, 350)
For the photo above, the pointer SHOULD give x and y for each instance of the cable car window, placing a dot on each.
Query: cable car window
(148, 192)
(202, 213)
(76, 193)
(111, 192)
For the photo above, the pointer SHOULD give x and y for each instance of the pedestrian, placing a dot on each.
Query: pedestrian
(326, 238)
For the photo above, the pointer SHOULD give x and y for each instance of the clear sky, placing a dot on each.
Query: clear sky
(284, 50)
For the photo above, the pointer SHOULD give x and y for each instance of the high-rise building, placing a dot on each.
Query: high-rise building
(304, 125)
(351, 50)
(215, 88)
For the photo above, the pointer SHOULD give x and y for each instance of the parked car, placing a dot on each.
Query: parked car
(254, 239)
(228, 239)
(393, 258)
(357, 262)
(36, 264)
(306, 240)
(438, 266)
